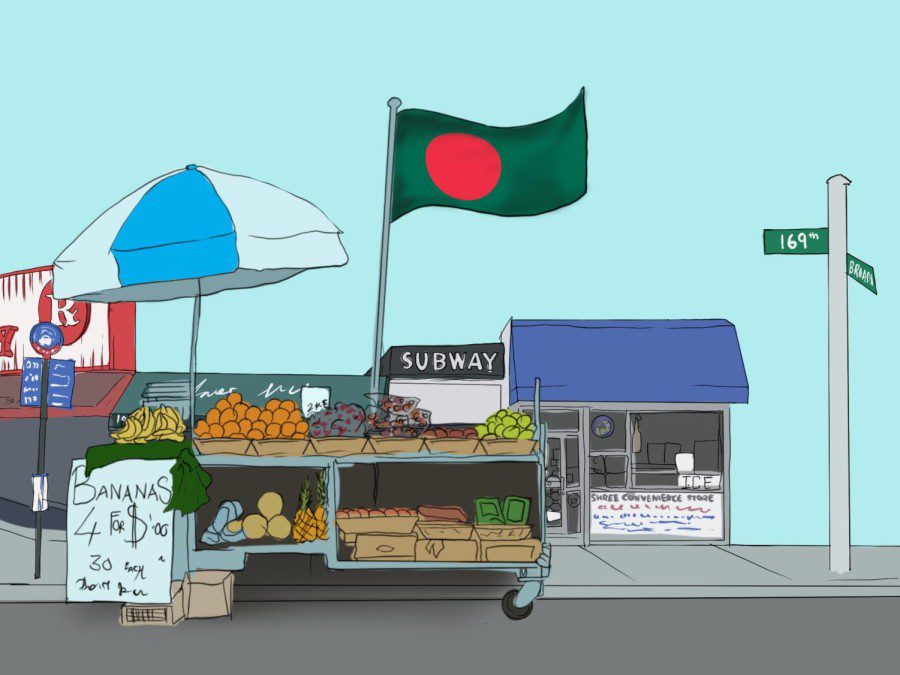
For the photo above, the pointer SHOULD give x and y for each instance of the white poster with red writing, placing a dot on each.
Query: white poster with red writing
(657, 515)
(89, 329)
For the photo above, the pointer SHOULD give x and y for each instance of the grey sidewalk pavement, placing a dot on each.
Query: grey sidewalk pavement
(608, 571)
(709, 571)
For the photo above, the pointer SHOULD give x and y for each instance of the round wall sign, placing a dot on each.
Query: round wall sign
(603, 426)
(46, 339)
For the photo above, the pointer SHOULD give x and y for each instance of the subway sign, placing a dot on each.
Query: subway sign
(459, 362)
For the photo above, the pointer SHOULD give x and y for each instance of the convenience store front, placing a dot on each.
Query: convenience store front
(638, 416)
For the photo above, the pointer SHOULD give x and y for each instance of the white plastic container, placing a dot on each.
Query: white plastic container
(684, 462)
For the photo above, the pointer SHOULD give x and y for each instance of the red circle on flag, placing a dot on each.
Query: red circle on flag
(72, 316)
(463, 166)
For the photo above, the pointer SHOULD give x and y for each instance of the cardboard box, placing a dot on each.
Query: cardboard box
(446, 550)
(508, 446)
(222, 446)
(339, 446)
(279, 447)
(521, 551)
(432, 529)
(350, 527)
(208, 594)
(392, 445)
(385, 547)
(166, 614)
(454, 446)
(502, 532)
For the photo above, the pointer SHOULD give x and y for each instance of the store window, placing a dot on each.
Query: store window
(607, 447)
(666, 444)
(558, 420)
(606, 431)
(609, 472)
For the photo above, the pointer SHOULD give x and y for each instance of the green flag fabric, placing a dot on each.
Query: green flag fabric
(507, 171)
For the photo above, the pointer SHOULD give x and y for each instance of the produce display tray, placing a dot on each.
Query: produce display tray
(325, 460)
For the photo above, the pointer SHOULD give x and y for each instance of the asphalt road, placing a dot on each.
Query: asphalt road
(593, 636)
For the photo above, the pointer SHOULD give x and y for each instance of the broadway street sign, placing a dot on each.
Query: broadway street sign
(861, 272)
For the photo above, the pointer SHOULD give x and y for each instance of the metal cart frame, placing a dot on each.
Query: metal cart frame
(517, 604)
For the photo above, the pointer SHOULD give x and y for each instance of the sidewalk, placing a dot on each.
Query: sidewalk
(666, 571)
(17, 582)
(611, 571)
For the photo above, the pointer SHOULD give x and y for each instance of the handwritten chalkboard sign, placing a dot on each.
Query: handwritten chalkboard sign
(119, 538)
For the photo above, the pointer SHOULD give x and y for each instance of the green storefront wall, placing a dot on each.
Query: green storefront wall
(255, 389)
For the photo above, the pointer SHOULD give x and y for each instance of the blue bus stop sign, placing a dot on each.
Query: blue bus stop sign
(46, 339)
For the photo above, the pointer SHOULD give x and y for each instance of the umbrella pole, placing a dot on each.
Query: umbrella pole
(192, 368)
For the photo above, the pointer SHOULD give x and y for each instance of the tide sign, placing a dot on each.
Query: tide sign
(861, 272)
(811, 241)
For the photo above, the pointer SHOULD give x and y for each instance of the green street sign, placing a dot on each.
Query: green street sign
(812, 241)
(861, 272)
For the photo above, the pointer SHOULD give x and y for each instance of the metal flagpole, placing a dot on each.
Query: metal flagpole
(838, 378)
(393, 105)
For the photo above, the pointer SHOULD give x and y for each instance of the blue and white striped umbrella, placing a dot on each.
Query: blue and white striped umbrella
(195, 232)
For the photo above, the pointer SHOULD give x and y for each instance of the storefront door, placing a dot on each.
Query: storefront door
(563, 485)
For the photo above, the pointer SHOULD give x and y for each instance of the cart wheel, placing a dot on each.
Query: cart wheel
(513, 612)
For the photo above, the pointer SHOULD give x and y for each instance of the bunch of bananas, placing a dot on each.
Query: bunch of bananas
(162, 424)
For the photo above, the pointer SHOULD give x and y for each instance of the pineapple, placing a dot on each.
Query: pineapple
(304, 521)
(320, 512)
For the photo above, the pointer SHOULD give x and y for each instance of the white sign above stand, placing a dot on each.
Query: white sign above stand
(314, 399)
(119, 537)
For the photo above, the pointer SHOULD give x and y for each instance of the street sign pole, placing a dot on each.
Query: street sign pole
(42, 445)
(838, 379)
(46, 339)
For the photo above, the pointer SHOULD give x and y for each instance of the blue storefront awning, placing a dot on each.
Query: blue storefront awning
(691, 361)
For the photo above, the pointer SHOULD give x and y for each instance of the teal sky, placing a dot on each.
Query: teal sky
(708, 122)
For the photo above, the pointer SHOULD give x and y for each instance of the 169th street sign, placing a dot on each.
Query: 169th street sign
(795, 242)
(814, 241)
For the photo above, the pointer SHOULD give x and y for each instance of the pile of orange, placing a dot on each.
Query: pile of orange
(233, 418)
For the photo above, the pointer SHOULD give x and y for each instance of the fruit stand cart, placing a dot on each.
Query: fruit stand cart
(343, 472)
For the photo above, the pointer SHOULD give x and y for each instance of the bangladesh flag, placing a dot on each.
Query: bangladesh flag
(508, 171)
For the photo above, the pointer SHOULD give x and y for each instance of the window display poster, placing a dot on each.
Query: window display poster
(657, 514)
(119, 537)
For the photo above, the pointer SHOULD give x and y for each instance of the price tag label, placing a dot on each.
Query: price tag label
(314, 399)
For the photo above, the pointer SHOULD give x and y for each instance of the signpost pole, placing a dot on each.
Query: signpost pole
(42, 442)
(838, 378)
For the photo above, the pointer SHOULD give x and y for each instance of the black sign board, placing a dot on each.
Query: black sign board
(455, 362)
